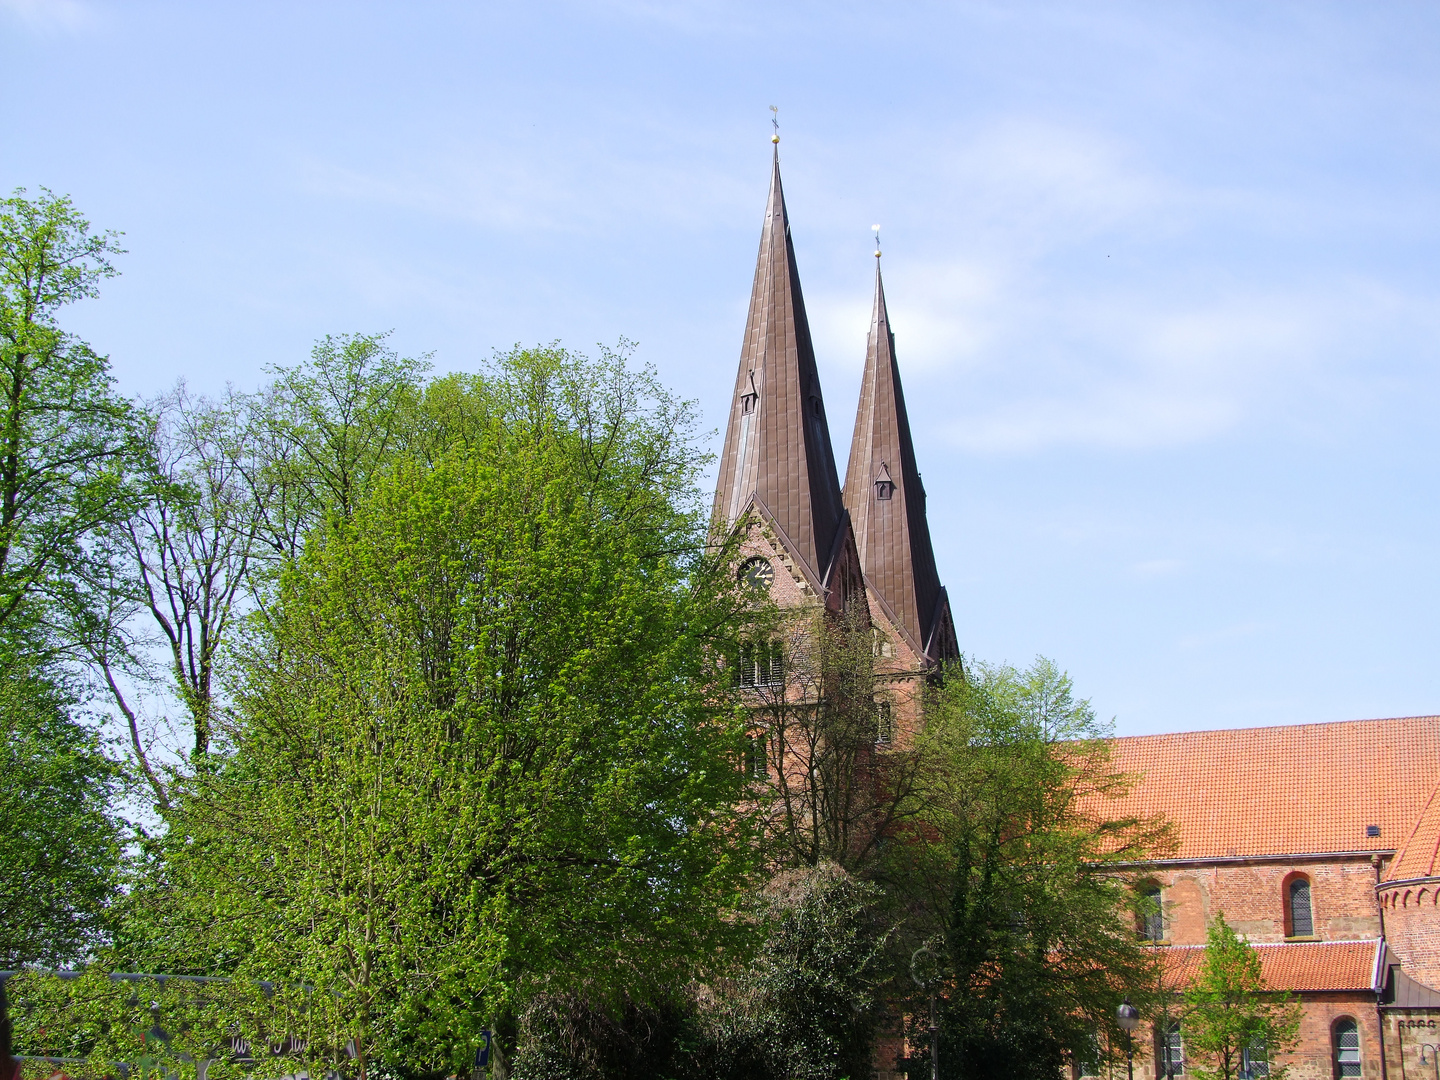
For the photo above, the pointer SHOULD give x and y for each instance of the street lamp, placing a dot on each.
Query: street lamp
(925, 970)
(1434, 1057)
(1128, 1017)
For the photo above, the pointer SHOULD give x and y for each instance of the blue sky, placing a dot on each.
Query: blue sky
(1163, 276)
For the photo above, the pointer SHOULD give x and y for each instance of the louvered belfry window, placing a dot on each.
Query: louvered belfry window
(760, 664)
(1301, 923)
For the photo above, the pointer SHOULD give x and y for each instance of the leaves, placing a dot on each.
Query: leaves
(1230, 1012)
(61, 846)
(1017, 874)
(68, 444)
(479, 738)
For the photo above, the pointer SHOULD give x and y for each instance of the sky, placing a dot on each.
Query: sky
(1163, 277)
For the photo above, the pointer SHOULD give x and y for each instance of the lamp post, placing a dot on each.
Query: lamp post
(1434, 1057)
(925, 970)
(1128, 1017)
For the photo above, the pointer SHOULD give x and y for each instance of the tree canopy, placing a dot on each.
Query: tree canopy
(1016, 870)
(479, 739)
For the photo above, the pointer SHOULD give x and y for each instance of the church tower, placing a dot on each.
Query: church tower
(777, 471)
(886, 501)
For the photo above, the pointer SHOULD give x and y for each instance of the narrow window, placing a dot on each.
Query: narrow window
(884, 724)
(1301, 924)
(1087, 1061)
(773, 672)
(1345, 1036)
(1169, 1050)
(745, 666)
(1254, 1062)
(755, 761)
(1152, 919)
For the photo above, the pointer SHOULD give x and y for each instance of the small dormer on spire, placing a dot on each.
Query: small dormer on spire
(884, 483)
(750, 396)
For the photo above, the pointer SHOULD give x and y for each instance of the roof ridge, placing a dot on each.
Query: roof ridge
(1289, 944)
(1276, 727)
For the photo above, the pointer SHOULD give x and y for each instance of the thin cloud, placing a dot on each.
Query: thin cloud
(52, 15)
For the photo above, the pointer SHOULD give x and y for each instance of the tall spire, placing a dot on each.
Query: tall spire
(777, 454)
(887, 501)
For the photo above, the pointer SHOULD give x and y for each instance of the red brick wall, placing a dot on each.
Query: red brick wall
(1253, 898)
(1412, 930)
(1312, 1059)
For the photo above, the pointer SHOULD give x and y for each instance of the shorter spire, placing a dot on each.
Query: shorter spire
(887, 501)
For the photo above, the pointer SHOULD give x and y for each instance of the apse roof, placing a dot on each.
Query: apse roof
(1420, 852)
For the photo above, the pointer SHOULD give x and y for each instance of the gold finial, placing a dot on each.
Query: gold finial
(876, 230)
(775, 120)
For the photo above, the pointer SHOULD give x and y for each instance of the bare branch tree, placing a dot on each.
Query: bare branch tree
(835, 785)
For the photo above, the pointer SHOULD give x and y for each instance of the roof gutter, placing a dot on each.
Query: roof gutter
(1237, 860)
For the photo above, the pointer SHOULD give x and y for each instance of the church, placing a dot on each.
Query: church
(1320, 843)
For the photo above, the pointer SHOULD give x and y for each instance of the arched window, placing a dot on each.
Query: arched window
(1152, 920)
(1169, 1050)
(1345, 1044)
(1299, 922)
(1254, 1062)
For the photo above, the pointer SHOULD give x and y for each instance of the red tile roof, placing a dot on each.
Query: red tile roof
(1308, 966)
(1304, 788)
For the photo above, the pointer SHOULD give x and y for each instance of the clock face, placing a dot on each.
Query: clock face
(757, 573)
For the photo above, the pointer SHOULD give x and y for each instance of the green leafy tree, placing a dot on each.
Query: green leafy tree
(480, 745)
(60, 845)
(1231, 1017)
(1016, 869)
(808, 1005)
(313, 439)
(801, 1003)
(68, 444)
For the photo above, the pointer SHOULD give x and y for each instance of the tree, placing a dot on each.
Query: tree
(319, 432)
(807, 1006)
(60, 845)
(801, 1003)
(829, 794)
(68, 444)
(233, 488)
(480, 744)
(1231, 1018)
(1015, 866)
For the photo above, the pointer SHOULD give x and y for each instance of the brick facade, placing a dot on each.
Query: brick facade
(1368, 849)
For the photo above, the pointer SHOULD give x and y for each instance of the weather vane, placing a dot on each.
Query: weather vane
(775, 122)
(876, 230)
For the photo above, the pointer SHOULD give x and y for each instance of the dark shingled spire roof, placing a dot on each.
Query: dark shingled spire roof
(891, 532)
(777, 443)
